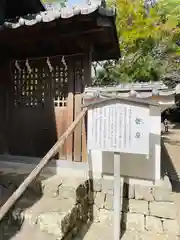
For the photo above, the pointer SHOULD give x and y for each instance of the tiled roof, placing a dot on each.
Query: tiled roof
(107, 98)
(53, 14)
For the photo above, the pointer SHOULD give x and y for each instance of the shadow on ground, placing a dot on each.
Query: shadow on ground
(125, 207)
(167, 165)
(13, 220)
(10, 180)
(171, 141)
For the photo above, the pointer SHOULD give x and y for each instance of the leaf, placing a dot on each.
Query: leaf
(148, 41)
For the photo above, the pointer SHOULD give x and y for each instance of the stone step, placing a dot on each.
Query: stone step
(54, 215)
(48, 185)
(59, 210)
(28, 232)
(98, 231)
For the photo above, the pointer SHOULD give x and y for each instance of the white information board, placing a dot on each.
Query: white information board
(118, 127)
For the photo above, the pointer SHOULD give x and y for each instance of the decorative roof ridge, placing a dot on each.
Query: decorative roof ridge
(53, 14)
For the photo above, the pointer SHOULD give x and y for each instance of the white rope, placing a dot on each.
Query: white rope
(17, 66)
(49, 65)
(28, 66)
(64, 62)
(51, 57)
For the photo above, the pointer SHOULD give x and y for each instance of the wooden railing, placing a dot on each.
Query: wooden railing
(44, 161)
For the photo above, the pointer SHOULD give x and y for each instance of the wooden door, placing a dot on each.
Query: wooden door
(38, 107)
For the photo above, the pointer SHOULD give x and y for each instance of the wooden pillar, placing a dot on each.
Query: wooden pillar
(70, 109)
(5, 106)
(77, 108)
(87, 63)
(80, 147)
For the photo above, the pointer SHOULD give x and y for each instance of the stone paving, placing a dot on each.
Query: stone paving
(171, 141)
(171, 145)
(147, 212)
(27, 232)
(100, 231)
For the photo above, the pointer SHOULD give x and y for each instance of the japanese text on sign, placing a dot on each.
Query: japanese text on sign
(119, 128)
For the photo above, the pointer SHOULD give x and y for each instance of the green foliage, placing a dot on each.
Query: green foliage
(147, 40)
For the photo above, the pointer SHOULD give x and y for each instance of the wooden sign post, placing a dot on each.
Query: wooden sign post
(117, 196)
(118, 126)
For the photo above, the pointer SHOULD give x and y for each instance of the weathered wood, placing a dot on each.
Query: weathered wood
(70, 106)
(61, 126)
(87, 63)
(77, 132)
(84, 141)
(77, 109)
(87, 81)
(52, 35)
(66, 25)
(117, 197)
(32, 176)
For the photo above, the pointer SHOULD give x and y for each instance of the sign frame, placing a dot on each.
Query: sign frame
(119, 127)
(117, 165)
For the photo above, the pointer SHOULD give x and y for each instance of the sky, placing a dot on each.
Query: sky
(73, 2)
(69, 2)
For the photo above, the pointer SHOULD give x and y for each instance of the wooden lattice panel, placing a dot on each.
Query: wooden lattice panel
(28, 87)
(32, 89)
(60, 85)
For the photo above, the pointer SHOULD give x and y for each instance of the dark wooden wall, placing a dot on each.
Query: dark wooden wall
(37, 106)
(42, 104)
(4, 96)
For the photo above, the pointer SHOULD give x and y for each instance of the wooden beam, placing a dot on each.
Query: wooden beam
(50, 46)
(44, 28)
(45, 36)
(38, 51)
